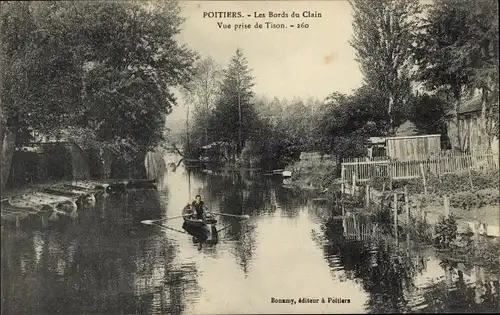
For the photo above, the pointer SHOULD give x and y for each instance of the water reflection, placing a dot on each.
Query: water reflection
(291, 247)
(401, 277)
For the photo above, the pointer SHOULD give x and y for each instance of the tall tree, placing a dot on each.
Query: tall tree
(383, 39)
(203, 91)
(234, 117)
(441, 53)
(457, 53)
(482, 48)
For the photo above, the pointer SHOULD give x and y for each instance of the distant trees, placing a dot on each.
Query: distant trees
(202, 92)
(102, 70)
(223, 102)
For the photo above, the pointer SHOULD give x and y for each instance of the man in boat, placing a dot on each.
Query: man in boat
(199, 207)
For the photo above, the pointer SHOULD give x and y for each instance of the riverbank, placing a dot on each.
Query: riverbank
(461, 209)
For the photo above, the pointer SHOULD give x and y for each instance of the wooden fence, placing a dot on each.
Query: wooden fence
(364, 159)
(440, 164)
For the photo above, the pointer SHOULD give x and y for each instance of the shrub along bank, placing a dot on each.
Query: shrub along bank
(314, 174)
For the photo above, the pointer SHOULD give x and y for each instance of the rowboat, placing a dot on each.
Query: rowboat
(203, 230)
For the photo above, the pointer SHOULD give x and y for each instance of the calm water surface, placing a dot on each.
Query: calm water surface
(107, 262)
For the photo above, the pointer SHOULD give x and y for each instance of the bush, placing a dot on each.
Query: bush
(463, 200)
(467, 200)
(488, 251)
(446, 231)
(421, 231)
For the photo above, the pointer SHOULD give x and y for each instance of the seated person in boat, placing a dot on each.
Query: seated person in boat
(189, 211)
(199, 207)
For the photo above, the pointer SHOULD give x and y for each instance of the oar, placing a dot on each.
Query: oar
(169, 228)
(149, 222)
(243, 216)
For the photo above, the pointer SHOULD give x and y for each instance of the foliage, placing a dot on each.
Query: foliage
(383, 38)
(234, 118)
(463, 200)
(457, 51)
(488, 252)
(353, 202)
(202, 93)
(106, 67)
(38, 82)
(346, 121)
(452, 183)
(428, 113)
(380, 182)
(319, 174)
(288, 127)
(421, 231)
(446, 232)
(469, 200)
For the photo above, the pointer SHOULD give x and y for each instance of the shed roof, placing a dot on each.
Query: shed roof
(413, 137)
(472, 105)
(376, 140)
(469, 106)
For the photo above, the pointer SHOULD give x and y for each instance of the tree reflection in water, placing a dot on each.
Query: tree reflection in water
(105, 264)
(387, 269)
(236, 194)
(109, 263)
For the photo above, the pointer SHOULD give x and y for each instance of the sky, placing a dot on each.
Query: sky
(286, 63)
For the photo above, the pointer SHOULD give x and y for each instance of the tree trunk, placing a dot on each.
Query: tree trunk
(457, 123)
(8, 146)
(390, 110)
(484, 145)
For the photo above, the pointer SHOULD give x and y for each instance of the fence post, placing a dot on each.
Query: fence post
(367, 194)
(423, 177)
(353, 190)
(342, 178)
(389, 168)
(407, 206)
(395, 209)
(446, 206)
(470, 178)
(476, 232)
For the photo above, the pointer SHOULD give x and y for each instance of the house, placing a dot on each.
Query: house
(472, 136)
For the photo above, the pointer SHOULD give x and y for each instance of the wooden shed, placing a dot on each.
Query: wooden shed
(407, 148)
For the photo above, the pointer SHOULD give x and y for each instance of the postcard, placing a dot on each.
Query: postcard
(249, 157)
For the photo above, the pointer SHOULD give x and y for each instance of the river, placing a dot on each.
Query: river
(107, 262)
